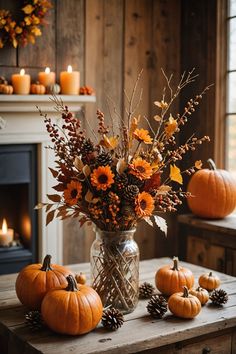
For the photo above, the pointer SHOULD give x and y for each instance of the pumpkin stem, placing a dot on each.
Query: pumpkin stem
(185, 292)
(46, 263)
(72, 285)
(211, 164)
(175, 263)
(210, 274)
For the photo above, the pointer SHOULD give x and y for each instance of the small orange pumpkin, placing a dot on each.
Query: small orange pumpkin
(213, 192)
(209, 281)
(35, 280)
(37, 89)
(201, 294)
(80, 278)
(6, 89)
(184, 305)
(77, 309)
(171, 279)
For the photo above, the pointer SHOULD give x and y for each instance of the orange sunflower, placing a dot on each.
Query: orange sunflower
(140, 168)
(142, 136)
(72, 193)
(144, 204)
(102, 177)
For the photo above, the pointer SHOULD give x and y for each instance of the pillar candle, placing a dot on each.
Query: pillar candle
(70, 81)
(21, 83)
(6, 234)
(47, 77)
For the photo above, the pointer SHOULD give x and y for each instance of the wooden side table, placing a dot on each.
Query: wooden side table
(213, 331)
(209, 243)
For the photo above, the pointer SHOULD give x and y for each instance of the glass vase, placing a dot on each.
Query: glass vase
(114, 260)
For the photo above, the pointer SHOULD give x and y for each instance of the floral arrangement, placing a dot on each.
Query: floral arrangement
(27, 28)
(125, 173)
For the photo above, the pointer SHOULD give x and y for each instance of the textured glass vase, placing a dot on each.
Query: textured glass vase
(114, 260)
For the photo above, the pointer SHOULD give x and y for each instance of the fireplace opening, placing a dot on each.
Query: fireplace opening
(18, 196)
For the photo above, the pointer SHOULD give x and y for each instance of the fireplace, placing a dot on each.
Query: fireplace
(18, 196)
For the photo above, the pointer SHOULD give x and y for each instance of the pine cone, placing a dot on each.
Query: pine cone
(112, 319)
(157, 306)
(136, 181)
(34, 320)
(130, 192)
(121, 181)
(146, 290)
(87, 147)
(104, 159)
(219, 297)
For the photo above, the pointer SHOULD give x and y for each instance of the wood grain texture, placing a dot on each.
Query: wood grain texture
(213, 327)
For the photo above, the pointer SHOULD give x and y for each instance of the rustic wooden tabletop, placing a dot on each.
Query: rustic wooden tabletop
(214, 328)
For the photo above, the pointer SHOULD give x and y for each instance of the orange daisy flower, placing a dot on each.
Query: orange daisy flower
(142, 136)
(144, 204)
(102, 178)
(140, 168)
(72, 193)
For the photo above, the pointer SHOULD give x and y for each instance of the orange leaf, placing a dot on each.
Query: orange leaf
(54, 198)
(53, 172)
(50, 216)
(175, 174)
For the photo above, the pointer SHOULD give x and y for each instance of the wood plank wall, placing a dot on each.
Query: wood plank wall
(110, 42)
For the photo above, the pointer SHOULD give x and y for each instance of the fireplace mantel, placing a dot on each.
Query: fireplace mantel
(20, 123)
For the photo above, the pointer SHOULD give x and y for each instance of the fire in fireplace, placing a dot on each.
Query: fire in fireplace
(18, 196)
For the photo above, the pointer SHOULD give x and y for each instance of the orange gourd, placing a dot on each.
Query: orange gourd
(6, 89)
(80, 278)
(209, 281)
(35, 280)
(171, 279)
(201, 294)
(213, 192)
(37, 89)
(77, 309)
(184, 305)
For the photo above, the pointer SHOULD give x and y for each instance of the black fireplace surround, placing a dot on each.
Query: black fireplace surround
(18, 196)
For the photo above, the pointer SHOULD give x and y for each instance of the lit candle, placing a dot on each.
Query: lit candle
(21, 83)
(6, 234)
(70, 81)
(47, 77)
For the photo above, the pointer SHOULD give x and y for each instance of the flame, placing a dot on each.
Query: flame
(47, 70)
(22, 72)
(4, 226)
(69, 69)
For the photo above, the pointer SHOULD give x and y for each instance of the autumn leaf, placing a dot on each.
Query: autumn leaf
(50, 216)
(48, 207)
(175, 174)
(89, 197)
(121, 166)
(157, 118)
(86, 170)
(54, 198)
(78, 163)
(109, 142)
(53, 172)
(59, 187)
(198, 164)
(161, 223)
(171, 126)
(164, 189)
(148, 220)
(162, 104)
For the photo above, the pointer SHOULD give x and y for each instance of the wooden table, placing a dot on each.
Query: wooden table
(213, 331)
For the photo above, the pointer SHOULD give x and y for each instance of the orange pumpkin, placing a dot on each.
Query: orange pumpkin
(201, 294)
(213, 192)
(37, 89)
(80, 278)
(77, 309)
(6, 89)
(209, 281)
(171, 279)
(35, 280)
(184, 305)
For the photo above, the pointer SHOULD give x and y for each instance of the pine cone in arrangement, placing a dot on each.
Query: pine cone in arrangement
(219, 297)
(121, 181)
(146, 290)
(112, 319)
(136, 181)
(87, 147)
(130, 192)
(157, 306)
(34, 320)
(104, 158)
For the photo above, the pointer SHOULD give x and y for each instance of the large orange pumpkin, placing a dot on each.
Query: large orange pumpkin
(214, 192)
(35, 280)
(184, 305)
(171, 279)
(77, 309)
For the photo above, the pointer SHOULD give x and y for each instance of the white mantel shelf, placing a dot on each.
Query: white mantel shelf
(28, 103)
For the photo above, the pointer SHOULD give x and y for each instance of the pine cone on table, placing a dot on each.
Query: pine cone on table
(112, 319)
(34, 320)
(157, 306)
(219, 297)
(146, 290)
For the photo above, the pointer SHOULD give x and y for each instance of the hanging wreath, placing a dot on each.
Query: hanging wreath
(23, 31)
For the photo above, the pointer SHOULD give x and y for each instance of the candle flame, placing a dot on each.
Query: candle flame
(47, 70)
(4, 226)
(22, 72)
(69, 69)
